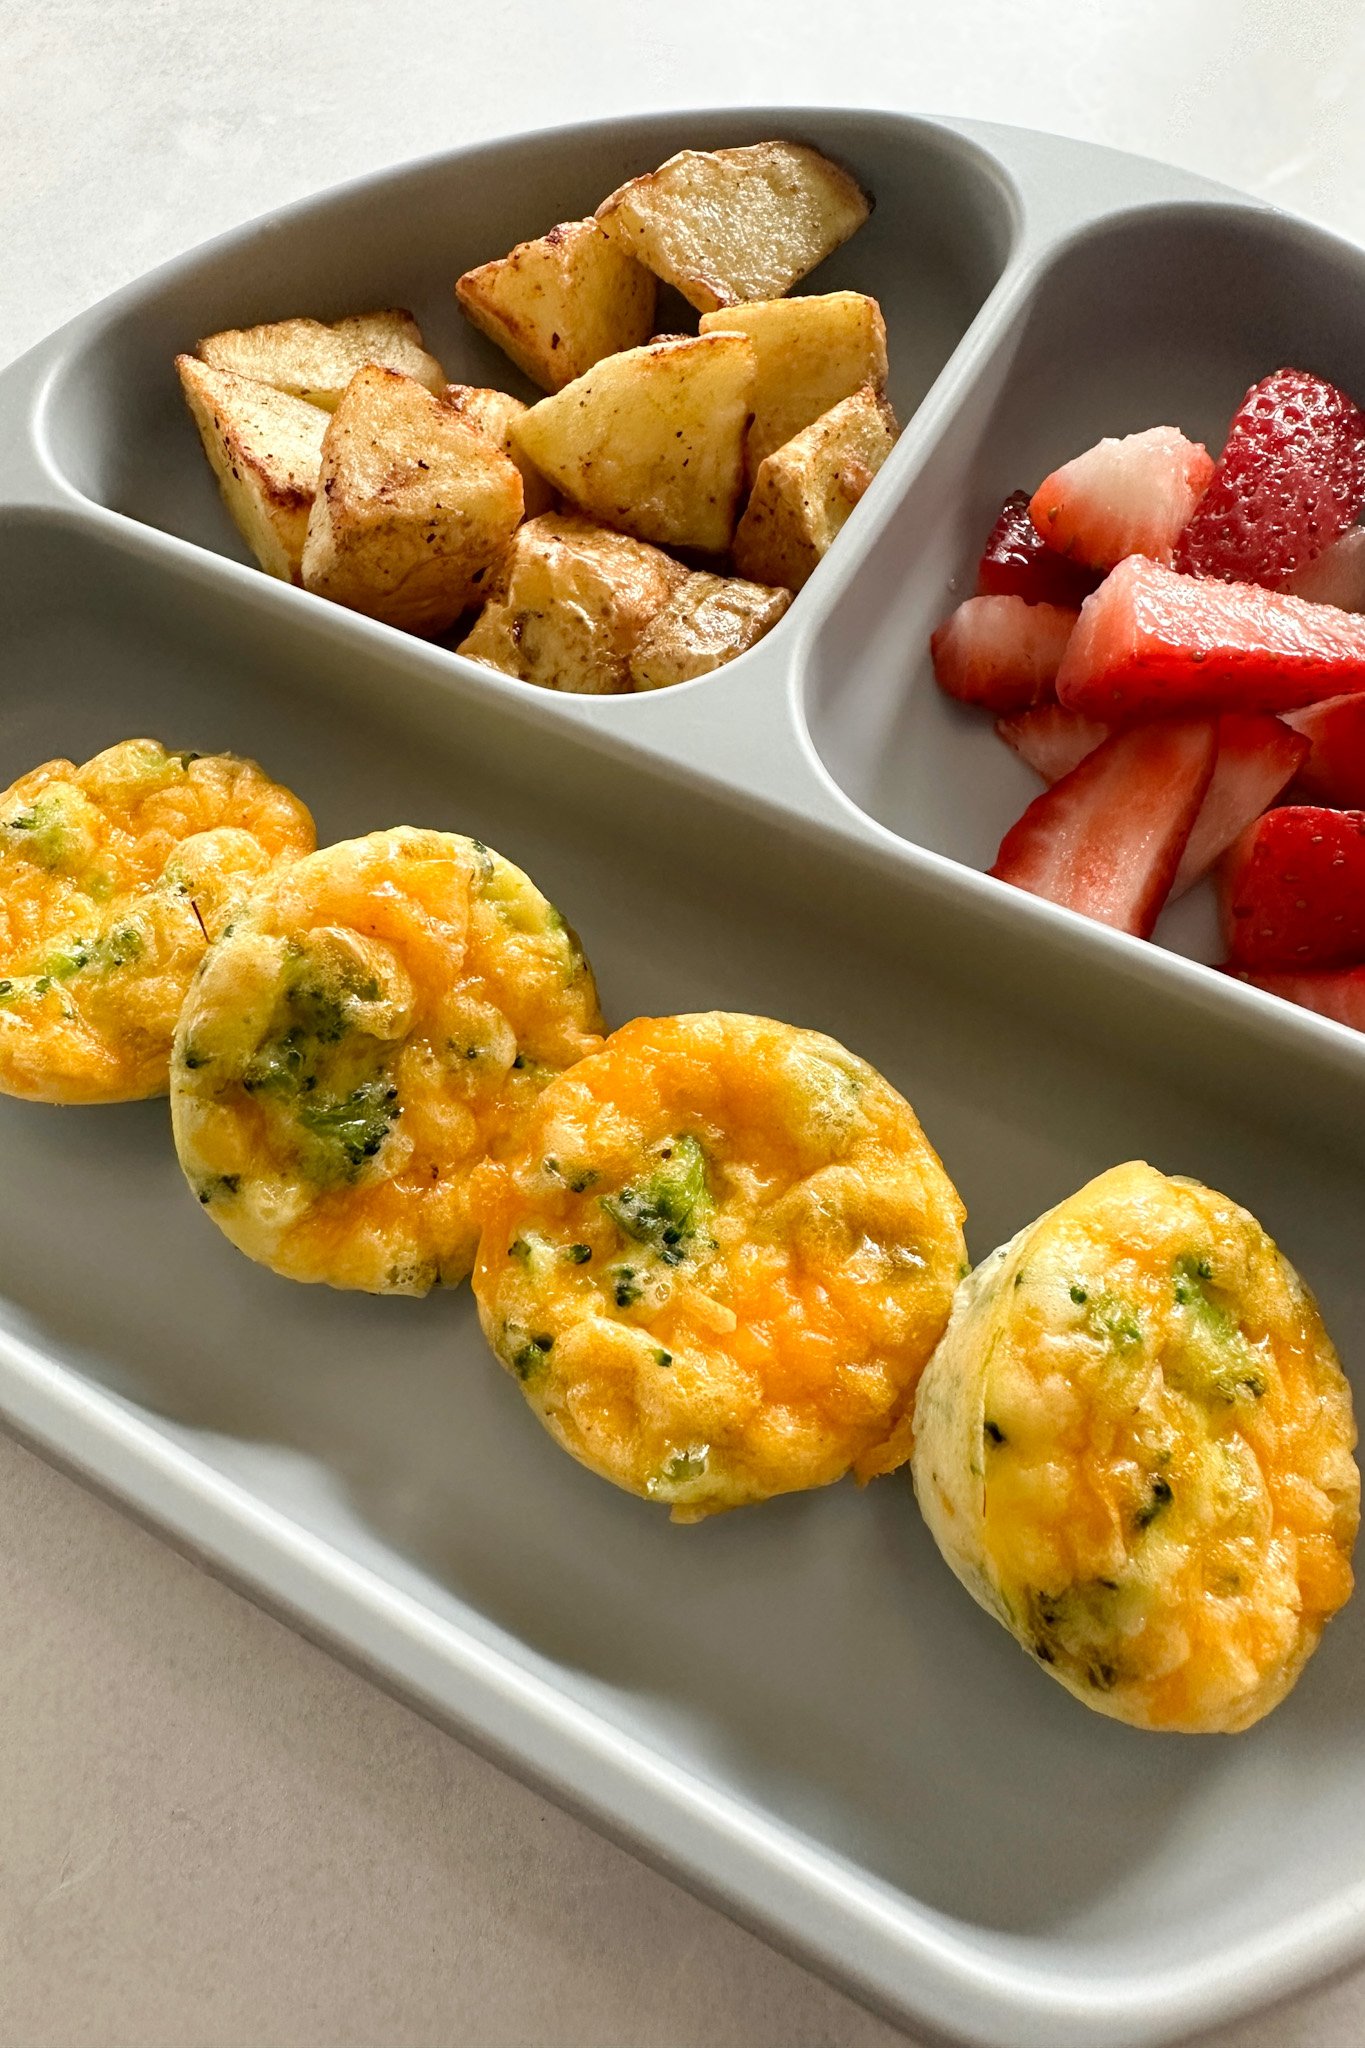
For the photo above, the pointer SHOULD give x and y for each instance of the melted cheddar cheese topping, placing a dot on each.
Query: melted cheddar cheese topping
(718, 1261)
(113, 879)
(375, 1021)
(1135, 1447)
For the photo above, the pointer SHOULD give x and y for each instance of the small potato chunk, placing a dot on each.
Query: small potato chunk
(805, 491)
(265, 449)
(652, 441)
(315, 360)
(727, 226)
(707, 622)
(811, 352)
(559, 304)
(414, 506)
(569, 604)
(492, 413)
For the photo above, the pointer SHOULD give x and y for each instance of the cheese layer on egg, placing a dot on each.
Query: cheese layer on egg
(1134, 1446)
(719, 1260)
(113, 879)
(374, 1022)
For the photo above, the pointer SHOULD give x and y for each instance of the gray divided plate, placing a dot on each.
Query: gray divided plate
(795, 1709)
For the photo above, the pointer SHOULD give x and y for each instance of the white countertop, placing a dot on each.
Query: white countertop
(211, 1833)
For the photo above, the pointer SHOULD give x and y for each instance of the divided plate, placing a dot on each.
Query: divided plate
(794, 1709)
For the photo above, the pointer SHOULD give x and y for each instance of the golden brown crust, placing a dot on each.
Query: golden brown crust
(728, 226)
(805, 491)
(651, 441)
(556, 305)
(315, 360)
(568, 604)
(265, 449)
(414, 506)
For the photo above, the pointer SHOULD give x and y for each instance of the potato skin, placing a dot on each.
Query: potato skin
(718, 1261)
(568, 604)
(810, 353)
(414, 506)
(493, 413)
(265, 448)
(705, 624)
(651, 441)
(727, 226)
(315, 361)
(1133, 1447)
(558, 304)
(804, 492)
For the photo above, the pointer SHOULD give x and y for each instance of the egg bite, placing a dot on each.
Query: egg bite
(374, 1022)
(113, 879)
(718, 1261)
(1134, 1448)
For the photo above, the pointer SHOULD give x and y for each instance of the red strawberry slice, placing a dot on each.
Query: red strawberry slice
(1258, 756)
(1294, 890)
(1291, 478)
(1017, 562)
(1334, 772)
(1107, 839)
(1337, 992)
(1052, 740)
(1130, 497)
(1336, 576)
(1001, 652)
(1150, 642)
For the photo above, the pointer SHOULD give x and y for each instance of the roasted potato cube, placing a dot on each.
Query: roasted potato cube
(707, 622)
(314, 360)
(730, 225)
(413, 509)
(569, 602)
(810, 353)
(493, 412)
(265, 448)
(804, 492)
(559, 304)
(652, 441)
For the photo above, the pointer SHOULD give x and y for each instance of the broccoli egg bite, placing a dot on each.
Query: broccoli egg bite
(1134, 1447)
(375, 1021)
(113, 879)
(718, 1261)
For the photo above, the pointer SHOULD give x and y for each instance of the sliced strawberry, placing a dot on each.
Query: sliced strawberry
(1258, 756)
(1150, 642)
(1337, 992)
(1001, 652)
(1130, 497)
(1294, 890)
(1334, 772)
(1107, 839)
(1336, 576)
(1052, 740)
(1017, 562)
(1290, 479)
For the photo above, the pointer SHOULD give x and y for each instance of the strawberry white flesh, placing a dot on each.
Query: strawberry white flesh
(1051, 739)
(1000, 652)
(1133, 496)
(1334, 772)
(1107, 839)
(1258, 756)
(1336, 576)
